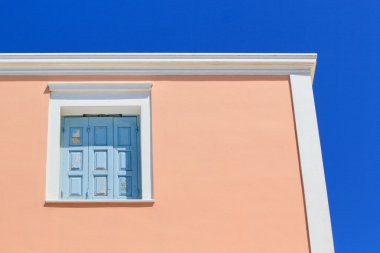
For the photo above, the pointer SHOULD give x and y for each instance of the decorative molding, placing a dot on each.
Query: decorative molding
(100, 86)
(156, 64)
(310, 155)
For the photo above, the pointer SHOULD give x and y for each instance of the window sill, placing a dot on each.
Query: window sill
(100, 203)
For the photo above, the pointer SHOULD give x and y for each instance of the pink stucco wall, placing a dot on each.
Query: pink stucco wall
(226, 173)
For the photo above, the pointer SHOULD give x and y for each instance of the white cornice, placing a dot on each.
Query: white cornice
(156, 64)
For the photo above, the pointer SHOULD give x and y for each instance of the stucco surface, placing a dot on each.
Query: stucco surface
(225, 164)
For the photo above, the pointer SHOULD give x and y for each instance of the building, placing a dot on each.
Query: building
(161, 153)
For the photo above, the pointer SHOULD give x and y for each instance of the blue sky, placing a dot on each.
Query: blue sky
(344, 33)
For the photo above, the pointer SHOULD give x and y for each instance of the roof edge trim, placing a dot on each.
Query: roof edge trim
(149, 64)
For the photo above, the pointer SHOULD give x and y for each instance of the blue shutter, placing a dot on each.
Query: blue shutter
(101, 158)
(126, 158)
(74, 158)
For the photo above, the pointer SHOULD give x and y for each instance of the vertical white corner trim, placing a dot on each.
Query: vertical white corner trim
(317, 207)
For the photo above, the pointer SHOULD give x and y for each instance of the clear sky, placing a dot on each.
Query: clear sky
(344, 33)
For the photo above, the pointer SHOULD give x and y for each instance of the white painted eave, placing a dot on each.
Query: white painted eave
(156, 64)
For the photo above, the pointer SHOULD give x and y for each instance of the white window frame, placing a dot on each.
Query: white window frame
(77, 98)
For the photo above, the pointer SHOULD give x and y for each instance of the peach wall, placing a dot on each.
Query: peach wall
(226, 173)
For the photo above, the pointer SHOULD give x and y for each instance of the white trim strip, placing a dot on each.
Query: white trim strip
(101, 201)
(99, 86)
(157, 64)
(317, 207)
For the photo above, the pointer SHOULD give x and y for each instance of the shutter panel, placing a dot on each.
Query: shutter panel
(126, 159)
(101, 158)
(74, 158)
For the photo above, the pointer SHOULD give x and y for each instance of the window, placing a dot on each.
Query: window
(100, 157)
(99, 142)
